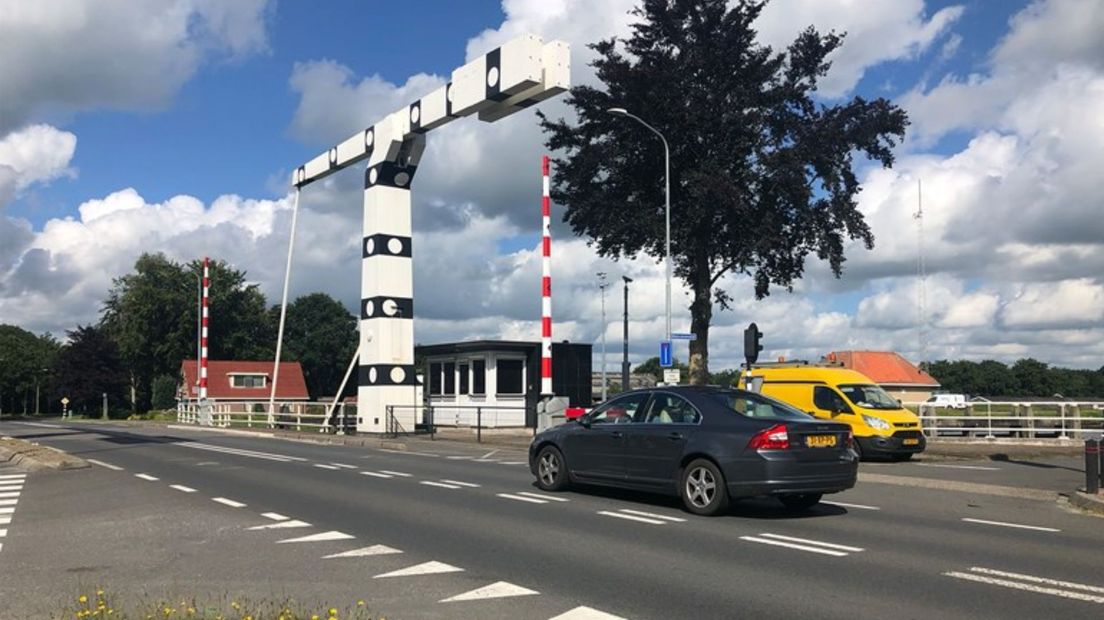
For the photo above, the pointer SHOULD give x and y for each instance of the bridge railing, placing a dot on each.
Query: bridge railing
(1030, 420)
(289, 415)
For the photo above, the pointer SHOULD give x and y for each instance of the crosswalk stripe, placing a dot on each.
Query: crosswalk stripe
(470, 485)
(228, 502)
(586, 613)
(401, 474)
(12, 477)
(782, 543)
(551, 498)
(631, 517)
(426, 568)
(3, 533)
(430, 483)
(182, 488)
(365, 551)
(147, 477)
(10, 494)
(376, 474)
(499, 589)
(812, 542)
(521, 498)
(9, 502)
(107, 465)
(653, 515)
(5, 520)
(1029, 587)
(319, 537)
(291, 523)
(7, 510)
(11, 487)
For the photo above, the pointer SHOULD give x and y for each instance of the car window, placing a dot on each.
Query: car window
(671, 409)
(759, 407)
(870, 396)
(619, 410)
(827, 399)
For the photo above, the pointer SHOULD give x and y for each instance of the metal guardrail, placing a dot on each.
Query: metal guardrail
(295, 415)
(1063, 420)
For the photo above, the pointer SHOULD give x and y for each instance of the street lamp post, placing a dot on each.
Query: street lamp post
(602, 284)
(625, 353)
(667, 184)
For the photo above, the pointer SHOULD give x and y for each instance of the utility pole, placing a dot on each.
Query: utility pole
(625, 355)
(602, 284)
(921, 280)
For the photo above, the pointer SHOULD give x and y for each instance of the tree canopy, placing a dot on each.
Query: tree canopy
(90, 366)
(1025, 377)
(761, 169)
(322, 335)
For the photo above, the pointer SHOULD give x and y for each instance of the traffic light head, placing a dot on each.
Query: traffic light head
(752, 346)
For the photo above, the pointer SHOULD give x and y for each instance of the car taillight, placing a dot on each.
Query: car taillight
(850, 440)
(773, 438)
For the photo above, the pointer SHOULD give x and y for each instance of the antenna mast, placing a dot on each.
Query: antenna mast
(921, 279)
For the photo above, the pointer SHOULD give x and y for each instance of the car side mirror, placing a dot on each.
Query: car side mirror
(584, 421)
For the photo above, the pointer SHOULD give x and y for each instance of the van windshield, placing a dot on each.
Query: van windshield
(869, 396)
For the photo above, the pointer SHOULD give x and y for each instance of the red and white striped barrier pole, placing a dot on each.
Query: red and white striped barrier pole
(546, 286)
(203, 333)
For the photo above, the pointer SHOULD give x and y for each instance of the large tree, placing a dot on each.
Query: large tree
(89, 366)
(761, 169)
(322, 335)
(26, 364)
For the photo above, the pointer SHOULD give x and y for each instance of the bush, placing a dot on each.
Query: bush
(164, 392)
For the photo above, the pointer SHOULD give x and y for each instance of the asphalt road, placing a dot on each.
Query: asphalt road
(890, 548)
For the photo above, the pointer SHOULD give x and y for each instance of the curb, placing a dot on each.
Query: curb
(1090, 503)
(34, 456)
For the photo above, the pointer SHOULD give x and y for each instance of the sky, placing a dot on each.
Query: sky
(130, 127)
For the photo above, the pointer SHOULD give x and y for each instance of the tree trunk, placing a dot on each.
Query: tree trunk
(701, 314)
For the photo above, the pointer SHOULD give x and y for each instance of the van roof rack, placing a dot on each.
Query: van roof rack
(823, 363)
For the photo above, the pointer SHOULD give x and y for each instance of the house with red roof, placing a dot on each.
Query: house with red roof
(242, 381)
(891, 371)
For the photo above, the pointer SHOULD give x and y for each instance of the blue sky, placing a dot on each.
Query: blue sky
(183, 144)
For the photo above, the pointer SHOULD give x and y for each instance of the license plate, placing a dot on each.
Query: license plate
(820, 441)
(911, 442)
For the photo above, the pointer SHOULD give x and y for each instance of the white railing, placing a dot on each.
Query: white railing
(293, 415)
(989, 420)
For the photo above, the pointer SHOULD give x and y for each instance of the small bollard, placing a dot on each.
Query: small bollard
(1092, 466)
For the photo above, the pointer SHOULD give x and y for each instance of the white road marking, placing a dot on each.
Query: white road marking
(426, 568)
(275, 516)
(240, 452)
(228, 502)
(3, 533)
(586, 613)
(1016, 525)
(7, 510)
(182, 488)
(631, 517)
(522, 498)
(430, 483)
(401, 474)
(488, 455)
(499, 589)
(11, 487)
(977, 467)
(319, 537)
(366, 551)
(5, 520)
(13, 476)
(9, 502)
(813, 542)
(324, 466)
(551, 498)
(107, 465)
(470, 485)
(147, 477)
(376, 474)
(1070, 590)
(10, 494)
(40, 425)
(780, 543)
(653, 515)
(409, 452)
(343, 466)
(484, 460)
(846, 505)
(460, 458)
(281, 525)
(513, 463)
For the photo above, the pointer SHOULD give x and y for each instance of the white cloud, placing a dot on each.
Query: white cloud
(34, 154)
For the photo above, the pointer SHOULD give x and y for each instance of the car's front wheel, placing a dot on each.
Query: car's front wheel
(703, 488)
(801, 501)
(551, 470)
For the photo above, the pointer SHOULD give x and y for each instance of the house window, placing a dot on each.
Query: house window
(509, 374)
(435, 379)
(247, 381)
(464, 379)
(450, 378)
(479, 377)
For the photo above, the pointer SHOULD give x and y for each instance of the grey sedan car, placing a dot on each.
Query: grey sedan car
(708, 445)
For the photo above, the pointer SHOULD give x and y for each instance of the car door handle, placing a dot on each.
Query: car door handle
(674, 436)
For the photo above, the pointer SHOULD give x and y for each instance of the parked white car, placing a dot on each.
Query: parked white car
(954, 401)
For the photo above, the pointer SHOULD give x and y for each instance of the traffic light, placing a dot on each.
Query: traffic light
(752, 347)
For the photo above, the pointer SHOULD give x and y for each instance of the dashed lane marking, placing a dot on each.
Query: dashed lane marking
(279, 525)
(343, 465)
(460, 458)
(470, 485)
(376, 474)
(1031, 583)
(275, 516)
(586, 613)
(484, 460)
(363, 552)
(522, 498)
(631, 517)
(803, 544)
(499, 589)
(401, 474)
(426, 568)
(147, 477)
(846, 505)
(944, 466)
(512, 463)
(653, 515)
(550, 498)
(182, 488)
(325, 466)
(107, 465)
(228, 502)
(430, 483)
(1015, 525)
(319, 537)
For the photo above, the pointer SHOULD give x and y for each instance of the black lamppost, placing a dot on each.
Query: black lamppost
(625, 355)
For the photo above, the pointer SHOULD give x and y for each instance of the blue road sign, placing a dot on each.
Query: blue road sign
(683, 336)
(665, 355)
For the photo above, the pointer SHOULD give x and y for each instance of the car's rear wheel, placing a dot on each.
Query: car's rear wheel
(800, 501)
(703, 488)
(551, 470)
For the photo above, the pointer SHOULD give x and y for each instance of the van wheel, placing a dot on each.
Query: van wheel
(802, 501)
(703, 489)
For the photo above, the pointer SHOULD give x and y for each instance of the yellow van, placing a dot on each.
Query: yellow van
(881, 426)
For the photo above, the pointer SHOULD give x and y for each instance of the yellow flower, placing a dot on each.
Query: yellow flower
(360, 603)
(82, 599)
(314, 617)
(99, 592)
(333, 611)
